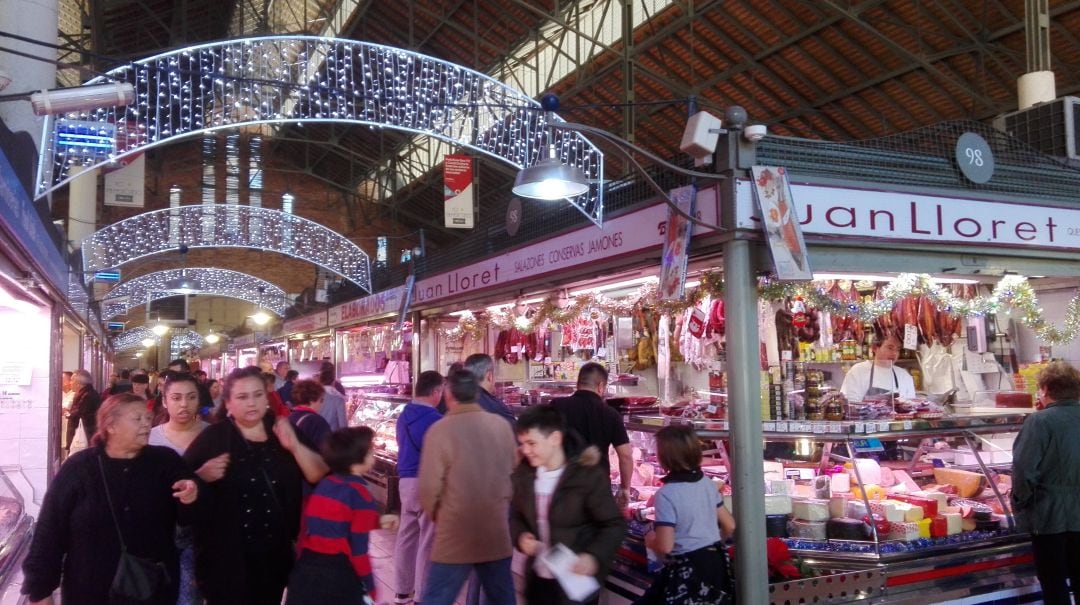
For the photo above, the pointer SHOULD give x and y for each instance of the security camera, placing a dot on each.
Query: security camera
(755, 132)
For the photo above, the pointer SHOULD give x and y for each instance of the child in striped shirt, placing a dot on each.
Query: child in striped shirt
(334, 566)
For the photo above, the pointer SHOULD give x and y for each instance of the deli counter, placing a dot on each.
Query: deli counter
(880, 511)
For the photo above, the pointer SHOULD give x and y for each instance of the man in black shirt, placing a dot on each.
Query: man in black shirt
(598, 424)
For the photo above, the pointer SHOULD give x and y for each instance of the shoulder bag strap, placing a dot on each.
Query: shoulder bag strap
(108, 499)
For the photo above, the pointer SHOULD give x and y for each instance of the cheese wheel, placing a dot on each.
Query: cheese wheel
(967, 483)
(776, 504)
(846, 528)
(810, 510)
(810, 530)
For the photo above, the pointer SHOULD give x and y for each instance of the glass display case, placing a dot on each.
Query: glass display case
(15, 527)
(896, 496)
(378, 407)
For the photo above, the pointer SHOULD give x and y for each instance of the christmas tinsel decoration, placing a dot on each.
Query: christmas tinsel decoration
(1012, 294)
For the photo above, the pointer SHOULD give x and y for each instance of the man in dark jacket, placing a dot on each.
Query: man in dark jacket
(597, 423)
(84, 407)
(1046, 471)
(560, 498)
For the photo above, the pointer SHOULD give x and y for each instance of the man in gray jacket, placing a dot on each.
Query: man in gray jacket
(1046, 473)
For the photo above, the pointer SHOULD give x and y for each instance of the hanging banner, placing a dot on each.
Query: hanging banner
(781, 224)
(677, 235)
(126, 186)
(459, 192)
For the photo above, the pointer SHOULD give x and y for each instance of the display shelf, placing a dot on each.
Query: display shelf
(894, 503)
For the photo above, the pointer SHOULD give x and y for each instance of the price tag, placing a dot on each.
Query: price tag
(860, 427)
(782, 427)
(819, 428)
(711, 409)
(836, 427)
(768, 426)
(785, 355)
(911, 336)
(907, 425)
(601, 352)
(806, 427)
(883, 427)
(723, 425)
(547, 359)
(862, 446)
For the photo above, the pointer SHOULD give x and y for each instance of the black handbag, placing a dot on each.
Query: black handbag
(137, 579)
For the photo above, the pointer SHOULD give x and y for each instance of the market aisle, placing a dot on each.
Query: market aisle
(381, 551)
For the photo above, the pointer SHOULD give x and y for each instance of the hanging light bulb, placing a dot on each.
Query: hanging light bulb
(160, 329)
(212, 338)
(148, 342)
(261, 317)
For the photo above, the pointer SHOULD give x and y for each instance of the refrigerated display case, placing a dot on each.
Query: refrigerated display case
(884, 509)
(16, 528)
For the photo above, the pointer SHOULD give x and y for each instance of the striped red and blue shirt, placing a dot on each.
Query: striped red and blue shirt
(337, 520)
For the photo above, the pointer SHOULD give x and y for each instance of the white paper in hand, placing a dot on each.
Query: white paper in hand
(559, 559)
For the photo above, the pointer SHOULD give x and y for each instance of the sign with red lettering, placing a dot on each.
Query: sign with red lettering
(633, 232)
(459, 191)
(906, 217)
(305, 324)
(366, 308)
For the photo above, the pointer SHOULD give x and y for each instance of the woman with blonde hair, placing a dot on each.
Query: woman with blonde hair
(120, 494)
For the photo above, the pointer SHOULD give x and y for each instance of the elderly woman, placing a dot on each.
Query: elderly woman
(1046, 473)
(254, 466)
(181, 400)
(77, 540)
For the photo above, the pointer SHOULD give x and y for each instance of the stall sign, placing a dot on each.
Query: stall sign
(908, 217)
(126, 186)
(246, 340)
(19, 213)
(459, 192)
(368, 307)
(307, 323)
(15, 373)
(627, 234)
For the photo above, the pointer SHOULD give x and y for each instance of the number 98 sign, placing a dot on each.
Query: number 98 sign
(974, 157)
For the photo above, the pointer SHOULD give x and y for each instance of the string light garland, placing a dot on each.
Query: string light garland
(130, 339)
(1013, 294)
(187, 339)
(296, 79)
(225, 226)
(213, 281)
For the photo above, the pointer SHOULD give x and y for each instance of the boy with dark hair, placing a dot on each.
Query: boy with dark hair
(338, 519)
(561, 498)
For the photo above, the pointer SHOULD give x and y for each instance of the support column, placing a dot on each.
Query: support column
(82, 206)
(1037, 85)
(744, 421)
(35, 19)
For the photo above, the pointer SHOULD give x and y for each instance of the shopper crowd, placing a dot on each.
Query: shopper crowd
(251, 490)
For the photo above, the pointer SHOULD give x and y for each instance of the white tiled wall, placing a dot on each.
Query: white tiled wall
(24, 430)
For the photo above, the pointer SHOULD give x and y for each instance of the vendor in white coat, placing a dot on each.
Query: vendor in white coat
(879, 376)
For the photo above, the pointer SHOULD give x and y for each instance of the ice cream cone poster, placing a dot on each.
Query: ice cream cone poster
(781, 223)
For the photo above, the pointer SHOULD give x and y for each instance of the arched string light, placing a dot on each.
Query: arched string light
(225, 226)
(212, 282)
(296, 79)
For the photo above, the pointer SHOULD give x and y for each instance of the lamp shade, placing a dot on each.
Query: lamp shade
(550, 179)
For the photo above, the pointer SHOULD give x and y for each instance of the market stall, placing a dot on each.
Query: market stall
(308, 343)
